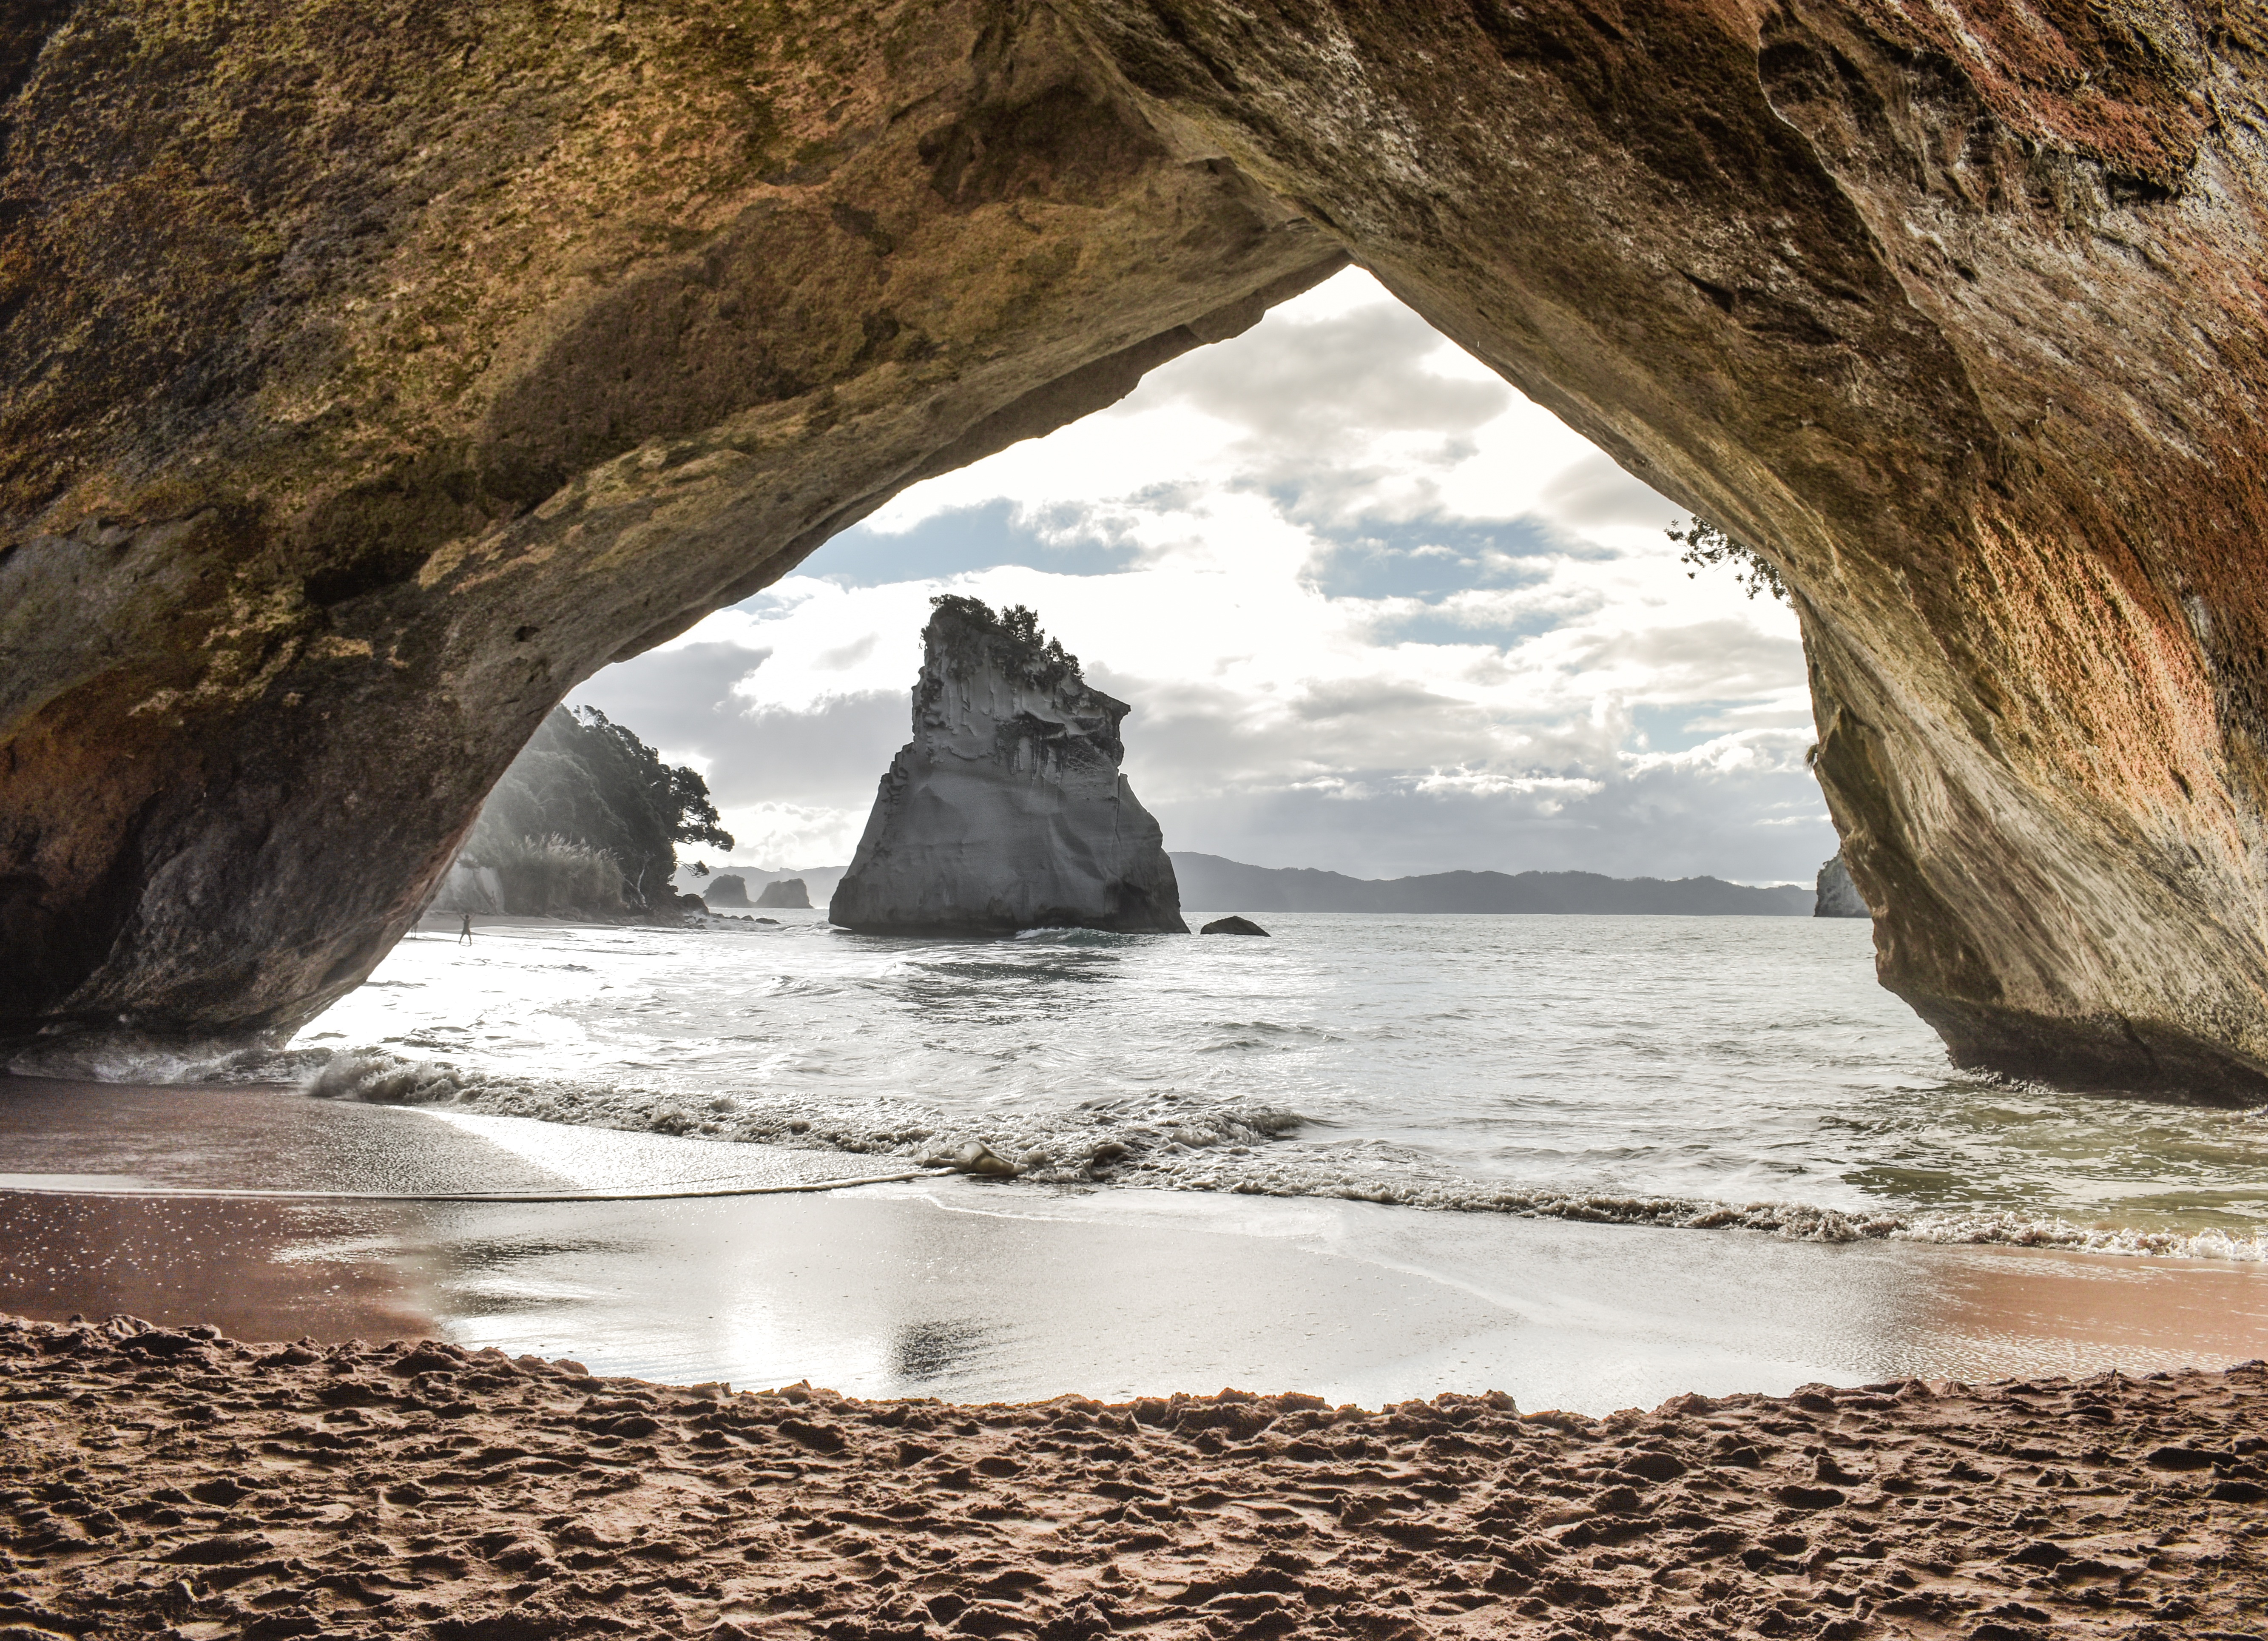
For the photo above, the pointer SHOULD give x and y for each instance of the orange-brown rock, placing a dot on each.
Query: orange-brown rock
(374, 373)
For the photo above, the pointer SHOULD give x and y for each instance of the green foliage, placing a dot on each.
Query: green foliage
(1013, 637)
(550, 876)
(1706, 547)
(587, 783)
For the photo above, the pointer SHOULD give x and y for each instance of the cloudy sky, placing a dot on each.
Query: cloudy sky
(1375, 613)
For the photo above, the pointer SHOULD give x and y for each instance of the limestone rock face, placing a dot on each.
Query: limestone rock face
(1839, 896)
(786, 892)
(371, 375)
(1006, 810)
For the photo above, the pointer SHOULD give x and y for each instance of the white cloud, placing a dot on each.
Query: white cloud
(1374, 611)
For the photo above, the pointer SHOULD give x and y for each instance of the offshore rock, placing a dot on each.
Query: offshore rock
(786, 892)
(1839, 896)
(1006, 810)
(728, 890)
(1234, 925)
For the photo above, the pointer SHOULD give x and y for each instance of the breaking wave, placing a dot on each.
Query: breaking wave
(1170, 1142)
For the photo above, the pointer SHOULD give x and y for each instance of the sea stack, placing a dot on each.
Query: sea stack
(1839, 896)
(1006, 810)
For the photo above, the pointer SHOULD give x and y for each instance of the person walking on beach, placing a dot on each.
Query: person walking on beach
(465, 934)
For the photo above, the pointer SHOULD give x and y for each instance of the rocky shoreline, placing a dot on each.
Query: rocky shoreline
(173, 1481)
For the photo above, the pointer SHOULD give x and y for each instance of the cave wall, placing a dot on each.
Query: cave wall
(372, 375)
(1956, 314)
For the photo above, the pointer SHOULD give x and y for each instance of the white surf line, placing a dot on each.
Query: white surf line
(666, 1192)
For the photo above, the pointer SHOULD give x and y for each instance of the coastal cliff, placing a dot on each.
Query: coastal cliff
(1006, 810)
(1837, 896)
(372, 376)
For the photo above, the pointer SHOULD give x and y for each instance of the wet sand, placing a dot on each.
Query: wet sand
(167, 1480)
(157, 1481)
(978, 1290)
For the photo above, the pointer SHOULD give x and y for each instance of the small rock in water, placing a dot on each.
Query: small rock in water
(1233, 926)
(1839, 896)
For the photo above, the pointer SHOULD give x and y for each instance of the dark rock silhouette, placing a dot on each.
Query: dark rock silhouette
(1234, 925)
(726, 889)
(785, 892)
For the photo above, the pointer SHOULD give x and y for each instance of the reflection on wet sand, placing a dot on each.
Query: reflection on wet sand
(924, 1353)
(246, 1138)
(2099, 1311)
(256, 1270)
(976, 1291)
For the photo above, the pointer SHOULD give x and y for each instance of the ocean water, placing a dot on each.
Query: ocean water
(1688, 1071)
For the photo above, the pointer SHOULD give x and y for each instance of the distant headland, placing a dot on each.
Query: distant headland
(1212, 884)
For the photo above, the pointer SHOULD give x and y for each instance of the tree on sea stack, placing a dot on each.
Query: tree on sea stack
(1006, 810)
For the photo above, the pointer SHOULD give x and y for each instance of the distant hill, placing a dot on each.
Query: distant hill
(1212, 884)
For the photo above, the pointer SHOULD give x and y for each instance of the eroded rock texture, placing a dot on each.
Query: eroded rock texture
(373, 374)
(1006, 810)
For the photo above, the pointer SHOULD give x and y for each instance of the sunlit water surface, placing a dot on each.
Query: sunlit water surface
(1455, 1061)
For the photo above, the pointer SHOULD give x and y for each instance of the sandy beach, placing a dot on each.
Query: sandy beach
(467, 1481)
(174, 1482)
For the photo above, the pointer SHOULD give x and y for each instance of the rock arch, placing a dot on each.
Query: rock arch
(373, 374)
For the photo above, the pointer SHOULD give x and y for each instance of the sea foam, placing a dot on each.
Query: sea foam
(1171, 1142)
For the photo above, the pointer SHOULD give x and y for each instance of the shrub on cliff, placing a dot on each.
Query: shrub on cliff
(1707, 547)
(584, 783)
(1012, 636)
